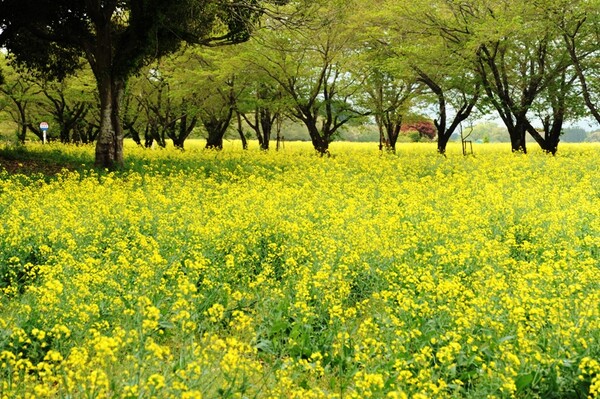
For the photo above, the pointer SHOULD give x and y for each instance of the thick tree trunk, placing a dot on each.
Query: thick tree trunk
(22, 133)
(552, 141)
(178, 142)
(109, 144)
(135, 135)
(266, 122)
(393, 131)
(320, 139)
(553, 131)
(517, 137)
(65, 135)
(442, 142)
(214, 141)
(216, 129)
(320, 144)
(185, 129)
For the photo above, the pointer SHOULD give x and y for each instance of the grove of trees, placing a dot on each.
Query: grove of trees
(154, 71)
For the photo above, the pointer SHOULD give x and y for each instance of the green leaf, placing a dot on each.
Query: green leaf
(523, 381)
(278, 326)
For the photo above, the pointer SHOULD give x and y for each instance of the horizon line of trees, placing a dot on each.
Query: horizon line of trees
(327, 65)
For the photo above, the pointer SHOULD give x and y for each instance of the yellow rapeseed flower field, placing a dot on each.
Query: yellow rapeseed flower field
(235, 274)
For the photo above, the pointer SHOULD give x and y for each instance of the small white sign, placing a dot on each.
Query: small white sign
(44, 128)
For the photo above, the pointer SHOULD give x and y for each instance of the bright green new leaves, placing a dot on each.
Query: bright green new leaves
(313, 65)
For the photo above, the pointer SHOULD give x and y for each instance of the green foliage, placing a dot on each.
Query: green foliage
(116, 39)
(54, 38)
(325, 64)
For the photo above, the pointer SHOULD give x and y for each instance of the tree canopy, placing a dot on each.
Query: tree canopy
(325, 64)
(116, 38)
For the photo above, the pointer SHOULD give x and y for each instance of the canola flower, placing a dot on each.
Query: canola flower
(287, 275)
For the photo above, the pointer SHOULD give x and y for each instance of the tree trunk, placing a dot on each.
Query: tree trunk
(148, 138)
(22, 132)
(320, 144)
(256, 127)
(318, 138)
(135, 135)
(266, 122)
(65, 134)
(216, 127)
(214, 141)
(262, 125)
(382, 141)
(241, 132)
(86, 131)
(393, 130)
(280, 138)
(185, 129)
(442, 142)
(109, 144)
(178, 142)
(216, 131)
(517, 137)
(552, 140)
(554, 130)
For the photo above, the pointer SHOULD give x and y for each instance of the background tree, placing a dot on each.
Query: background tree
(133, 113)
(312, 67)
(258, 102)
(389, 99)
(21, 94)
(69, 102)
(181, 72)
(579, 23)
(116, 38)
(264, 104)
(560, 102)
(217, 106)
(514, 56)
(156, 100)
(422, 127)
(261, 103)
(212, 90)
(517, 67)
(389, 87)
(417, 36)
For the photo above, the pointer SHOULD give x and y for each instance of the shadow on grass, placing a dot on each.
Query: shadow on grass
(18, 159)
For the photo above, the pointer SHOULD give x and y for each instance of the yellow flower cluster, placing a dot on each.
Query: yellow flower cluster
(289, 275)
